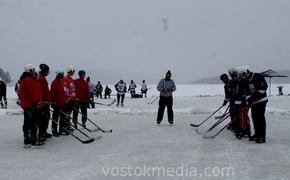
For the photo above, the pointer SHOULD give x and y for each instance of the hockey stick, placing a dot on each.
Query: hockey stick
(197, 125)
(215, 135)
(228, 114)
(98, 128)
(110, 104)
(73, 126)
(82, 141)
(224, 114)
(153, 100)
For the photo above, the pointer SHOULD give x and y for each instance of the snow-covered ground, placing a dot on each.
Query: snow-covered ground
(139, 149)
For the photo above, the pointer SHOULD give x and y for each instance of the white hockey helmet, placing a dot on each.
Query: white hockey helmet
(70, 69)
(29, 68)
(59, 71)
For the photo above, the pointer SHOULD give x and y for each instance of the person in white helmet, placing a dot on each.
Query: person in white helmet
(70, 96)
(29, 102)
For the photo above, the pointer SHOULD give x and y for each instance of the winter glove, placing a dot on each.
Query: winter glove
(225, 102)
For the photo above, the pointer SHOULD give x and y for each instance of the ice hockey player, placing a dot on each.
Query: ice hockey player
(233, 108)
(99, 90)
(132, 89)
(70, 97)
(258, 96)
(83, 97)
(45, 110)
(107, 92)
(58, 103)
(92, 93)
(29, 102)
(166, 86)
(121, 89)
(3, 99)
(144, 89)
(244, 129)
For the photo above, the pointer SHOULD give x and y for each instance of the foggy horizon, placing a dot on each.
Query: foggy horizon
(143, 39)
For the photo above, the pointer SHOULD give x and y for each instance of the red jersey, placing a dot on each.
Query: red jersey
(69, 88)
(82, 90)
(29, 92)
(57, 92)
(44, 88)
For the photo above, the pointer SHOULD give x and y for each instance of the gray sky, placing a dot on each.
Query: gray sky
(142, 39)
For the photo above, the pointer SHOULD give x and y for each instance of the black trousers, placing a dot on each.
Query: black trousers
(99, 94)
(44, 116)
(120, 96)
(132, 94)
(92, 101)
(144, 92)
(59, 119)
(29, 124)
(259, 121)
(83, 107)
(165, 102)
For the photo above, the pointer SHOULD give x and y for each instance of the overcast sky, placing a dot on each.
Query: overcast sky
(142, 39)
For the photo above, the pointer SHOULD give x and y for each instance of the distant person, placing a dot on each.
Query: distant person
(99, 90)
(3, 99)
(92, 91)
(144, 88)
(108, 92)
(121, 89)
(166, 86)
(132, 89)
(16, 89)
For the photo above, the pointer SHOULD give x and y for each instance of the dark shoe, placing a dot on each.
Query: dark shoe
(252, 138)
(41, 139)
(47, 135)
(84, 125)
(27, 141)
(36, 143)
(170, 122)
(55, 134)
(260, 140)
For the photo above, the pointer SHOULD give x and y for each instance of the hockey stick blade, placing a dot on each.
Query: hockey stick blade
(220, 117)
(194, 125)
(88, 141)
(208, 136)
(104, 131)
(196, 130)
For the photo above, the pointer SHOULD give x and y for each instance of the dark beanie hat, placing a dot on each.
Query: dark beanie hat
(81, 72)
(168, 72)
(43, 67)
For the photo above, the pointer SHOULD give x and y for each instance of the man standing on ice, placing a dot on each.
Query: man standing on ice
(258, 87)
(121, 89)
(166, 86)
(83, 97)
(45, 112)
(3, 94)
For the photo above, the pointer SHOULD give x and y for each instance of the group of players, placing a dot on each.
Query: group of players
(246, 90)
